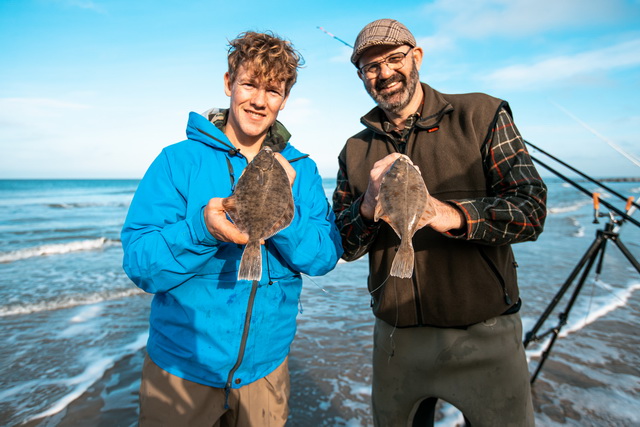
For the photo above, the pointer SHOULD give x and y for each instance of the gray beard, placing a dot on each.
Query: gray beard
(406, 93)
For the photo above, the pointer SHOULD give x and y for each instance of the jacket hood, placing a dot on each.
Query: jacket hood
(207, 128)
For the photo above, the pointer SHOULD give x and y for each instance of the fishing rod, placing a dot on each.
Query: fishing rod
(624, 215)
(610, 190)
(335, 37)
(594, 253)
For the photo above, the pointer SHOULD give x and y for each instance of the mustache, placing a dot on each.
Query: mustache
(397, 77)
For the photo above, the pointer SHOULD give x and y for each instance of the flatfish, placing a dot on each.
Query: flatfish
(402, 200)
(261, 206)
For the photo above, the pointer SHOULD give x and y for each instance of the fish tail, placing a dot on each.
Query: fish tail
(251, 262)
(402, 265)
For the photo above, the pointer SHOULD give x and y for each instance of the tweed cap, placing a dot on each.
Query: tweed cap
(381, 32)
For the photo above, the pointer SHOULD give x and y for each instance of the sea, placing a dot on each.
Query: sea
(73, 327)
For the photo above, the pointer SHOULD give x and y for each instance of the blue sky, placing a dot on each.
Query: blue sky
(96, 88)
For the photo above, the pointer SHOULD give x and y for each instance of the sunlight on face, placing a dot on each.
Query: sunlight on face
(254, 106)
(391, 89)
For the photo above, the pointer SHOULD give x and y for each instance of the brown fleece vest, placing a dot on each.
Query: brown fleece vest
(455, 282)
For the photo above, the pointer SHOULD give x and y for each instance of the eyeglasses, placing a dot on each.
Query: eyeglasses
(395, 61)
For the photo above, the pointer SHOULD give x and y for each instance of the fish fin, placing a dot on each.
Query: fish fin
(429, 212)
(402, 265)
(282, 223)
(378, 213)
(251, 262)
(229, 206)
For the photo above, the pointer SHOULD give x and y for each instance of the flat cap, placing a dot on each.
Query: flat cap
(381, 32)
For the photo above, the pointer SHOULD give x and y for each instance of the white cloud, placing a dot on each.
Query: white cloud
(36, 106)
(435, 44)
(562, 68)
(481, 18)
(32, 118)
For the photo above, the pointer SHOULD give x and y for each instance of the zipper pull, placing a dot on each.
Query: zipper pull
(507, 298)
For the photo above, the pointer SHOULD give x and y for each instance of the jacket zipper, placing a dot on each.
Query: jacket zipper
(243, 342)
(507, 298)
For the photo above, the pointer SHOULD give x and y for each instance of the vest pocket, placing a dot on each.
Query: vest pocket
(496, 272)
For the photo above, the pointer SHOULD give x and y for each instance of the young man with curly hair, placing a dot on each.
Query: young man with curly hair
(218, 346)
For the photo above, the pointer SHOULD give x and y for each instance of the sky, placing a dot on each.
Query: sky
(96, 88)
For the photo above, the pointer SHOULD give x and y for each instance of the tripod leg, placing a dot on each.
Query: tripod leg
(589, 255)
(565, 314)
(601, 259)
(626, 253)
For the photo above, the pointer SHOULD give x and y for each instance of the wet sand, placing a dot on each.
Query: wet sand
(563, 394)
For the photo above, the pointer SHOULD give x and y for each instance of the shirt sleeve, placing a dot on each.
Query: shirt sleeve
(515, 209)
(356, 233)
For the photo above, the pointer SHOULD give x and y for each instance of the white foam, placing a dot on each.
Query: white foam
(618, 298)
(579, 228)
(568, 208)
(55, 249)
(81, 383)
(68, 302)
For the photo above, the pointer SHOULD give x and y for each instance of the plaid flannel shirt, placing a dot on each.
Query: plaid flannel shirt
(514, 211)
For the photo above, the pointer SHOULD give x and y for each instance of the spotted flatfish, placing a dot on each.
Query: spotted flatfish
(402, 200)
(261, 206)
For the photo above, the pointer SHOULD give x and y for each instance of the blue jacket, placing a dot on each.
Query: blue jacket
(205, 325)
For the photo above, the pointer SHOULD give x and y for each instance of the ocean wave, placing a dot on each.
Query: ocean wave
(67, 302)
(87, 205)
(55, 249)
(80, 383)
(569, 207)
(580, 230)
(618, 298)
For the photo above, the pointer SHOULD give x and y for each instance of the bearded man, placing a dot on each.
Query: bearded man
(452, 331)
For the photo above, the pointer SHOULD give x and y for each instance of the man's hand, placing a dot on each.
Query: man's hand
(219, 226)
(291, 172)
(442, 217)
(370, 199)
(438, 215)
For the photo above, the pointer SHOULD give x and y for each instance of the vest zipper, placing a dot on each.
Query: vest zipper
(505, 294)
(416, 289)
(243, 342)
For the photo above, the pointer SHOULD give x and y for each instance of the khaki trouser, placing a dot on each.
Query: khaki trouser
(481, 370)
(167, 400)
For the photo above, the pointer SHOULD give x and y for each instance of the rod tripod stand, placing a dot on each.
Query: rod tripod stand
(597, 249)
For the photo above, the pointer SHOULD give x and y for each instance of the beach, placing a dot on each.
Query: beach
(573, 389)
(74, 327)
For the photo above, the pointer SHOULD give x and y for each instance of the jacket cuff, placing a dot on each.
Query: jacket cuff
(200, 230)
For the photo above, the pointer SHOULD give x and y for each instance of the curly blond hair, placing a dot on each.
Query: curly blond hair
(269, 57)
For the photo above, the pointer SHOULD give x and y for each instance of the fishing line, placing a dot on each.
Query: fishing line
(629, 156)
(392, 343)
(314, 282)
